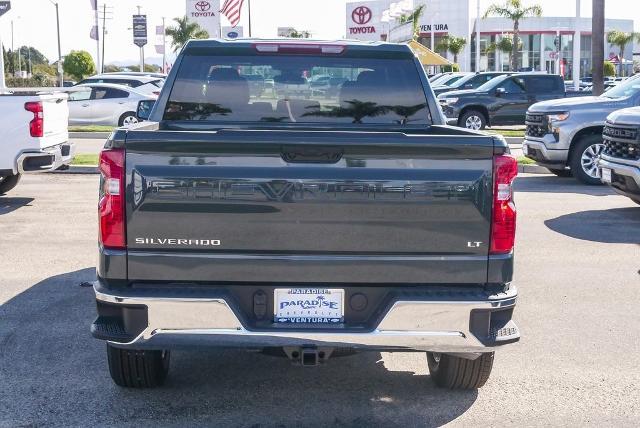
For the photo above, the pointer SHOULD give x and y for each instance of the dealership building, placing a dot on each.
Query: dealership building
(548, 43)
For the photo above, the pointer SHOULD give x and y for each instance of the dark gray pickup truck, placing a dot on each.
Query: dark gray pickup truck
(308, 227)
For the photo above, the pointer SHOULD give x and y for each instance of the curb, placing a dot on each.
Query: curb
(79, 169)
(515, 141)
(90, 135)
(533, 169)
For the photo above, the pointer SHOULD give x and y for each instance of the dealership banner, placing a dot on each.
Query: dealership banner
(206, 13)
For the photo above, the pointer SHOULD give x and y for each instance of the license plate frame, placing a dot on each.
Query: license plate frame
(308, 305)
(605, 175)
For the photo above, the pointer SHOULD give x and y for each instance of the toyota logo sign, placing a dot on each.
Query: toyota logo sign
(361, 15)
(203, 6)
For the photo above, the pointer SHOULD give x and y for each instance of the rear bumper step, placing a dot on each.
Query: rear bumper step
(437, 326)
(43, 160)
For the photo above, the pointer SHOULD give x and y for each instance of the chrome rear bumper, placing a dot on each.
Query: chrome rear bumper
(436, 326)
(43, 160)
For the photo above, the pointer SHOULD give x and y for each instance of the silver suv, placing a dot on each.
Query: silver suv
(567, 133)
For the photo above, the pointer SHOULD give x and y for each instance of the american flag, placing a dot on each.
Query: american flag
(231, 9)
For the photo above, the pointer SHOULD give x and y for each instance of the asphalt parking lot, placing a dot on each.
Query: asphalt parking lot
(577, 269)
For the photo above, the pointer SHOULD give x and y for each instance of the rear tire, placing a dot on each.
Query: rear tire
(137, 368)
(560, 172)
(452, 372)
(583, 158)
(473, 119)
(8, 183)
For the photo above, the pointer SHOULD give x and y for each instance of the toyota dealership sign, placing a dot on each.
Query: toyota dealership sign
(206, 14)
(363, 20)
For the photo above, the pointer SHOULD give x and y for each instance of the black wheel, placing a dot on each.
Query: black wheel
(137, 369)
(584, 159)
(458, 373)
(472, 119)
(560, 172)
(8, 183)
(128, 119)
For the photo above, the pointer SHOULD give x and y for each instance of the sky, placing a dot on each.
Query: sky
(34, 21)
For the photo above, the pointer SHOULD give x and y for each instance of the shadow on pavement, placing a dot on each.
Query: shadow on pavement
(54, 373)
(8, 205)
(614, 226)
(553, 184)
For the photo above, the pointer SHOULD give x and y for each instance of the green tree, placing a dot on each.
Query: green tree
(452, 44)
(414, 18)
(505, 44)
(183, 31)
(514, 11)
(608, 69)
(111, 68)
(79, 64)
(621, 39)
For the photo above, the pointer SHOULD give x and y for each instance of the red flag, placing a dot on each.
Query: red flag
(231, 9)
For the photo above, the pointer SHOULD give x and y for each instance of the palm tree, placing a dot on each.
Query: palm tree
(621, 40)
(184, 31)
(451, 44)
(515, 11)
(414, 18)
(505, 44)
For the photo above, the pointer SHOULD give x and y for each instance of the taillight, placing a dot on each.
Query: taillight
(36, 126)
(503, 226)
(111, 209)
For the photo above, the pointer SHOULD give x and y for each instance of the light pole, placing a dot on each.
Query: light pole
(478, 36)
(60, 71)
(576, 50)
(597, 46)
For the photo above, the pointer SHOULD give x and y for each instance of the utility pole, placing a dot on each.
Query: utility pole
(60, 70)
(105, 12)
(597, 46)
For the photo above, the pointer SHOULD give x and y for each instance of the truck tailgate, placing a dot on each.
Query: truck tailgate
(287, 206)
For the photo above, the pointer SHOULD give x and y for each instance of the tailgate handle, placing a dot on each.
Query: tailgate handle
(311, 154)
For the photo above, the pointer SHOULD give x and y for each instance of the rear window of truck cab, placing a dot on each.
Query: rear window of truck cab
(279, 88)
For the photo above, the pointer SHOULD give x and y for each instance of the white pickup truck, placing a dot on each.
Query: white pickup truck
(35, 135)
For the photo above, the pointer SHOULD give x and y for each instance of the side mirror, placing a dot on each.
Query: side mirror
(500, 92)
(144, 109)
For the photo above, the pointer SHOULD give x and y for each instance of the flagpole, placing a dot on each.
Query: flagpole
(249, 6)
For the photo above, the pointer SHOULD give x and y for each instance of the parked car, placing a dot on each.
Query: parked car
(567, 133)
(319, 229)
(470, 81)
(448, 79)
(105, 104)
(619, 163)
(503, 100)
(143, 84)
(137, 74)
(34, 134)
